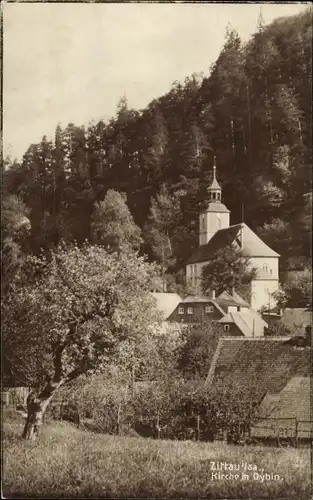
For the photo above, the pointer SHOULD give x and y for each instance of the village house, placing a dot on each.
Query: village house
(230, 312)
(271, 376)
(215, 233)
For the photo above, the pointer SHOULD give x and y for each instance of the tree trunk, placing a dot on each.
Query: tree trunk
(36, 408)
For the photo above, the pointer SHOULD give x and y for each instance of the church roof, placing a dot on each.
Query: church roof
(216, 206)
(214, 185)
(253, 246)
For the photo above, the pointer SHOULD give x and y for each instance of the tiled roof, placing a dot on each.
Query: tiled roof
(292, 402)
(253, 246)
(256, 364)
(166, 302)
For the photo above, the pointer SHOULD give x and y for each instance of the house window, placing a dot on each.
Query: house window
(189, 310)
(226, 328)
(181, 310)
(209, 309)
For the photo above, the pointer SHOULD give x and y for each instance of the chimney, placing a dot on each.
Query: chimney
(232, 291)
(308, 335)
(213, 294)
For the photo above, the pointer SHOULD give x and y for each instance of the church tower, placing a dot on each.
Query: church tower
(215, 215)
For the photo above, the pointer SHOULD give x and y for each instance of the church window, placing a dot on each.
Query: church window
(214, 196)
(218, 222)
(189, 310)
(265, 267)
(181, 310)
(219, 196)
(226, 328)
(209, 309)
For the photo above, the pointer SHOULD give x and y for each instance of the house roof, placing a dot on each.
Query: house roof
(247, 322)
(278, 411)
(257, 365)
(197, 298)
(201, 299)
(225, 299)
(166, 302)
(239, 299)
(253, 246)
(293, 401)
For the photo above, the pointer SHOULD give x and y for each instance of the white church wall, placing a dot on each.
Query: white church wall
(269, 264)
(261, 293)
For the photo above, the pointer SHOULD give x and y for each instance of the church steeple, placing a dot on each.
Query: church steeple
(214, 190)
(215, 215)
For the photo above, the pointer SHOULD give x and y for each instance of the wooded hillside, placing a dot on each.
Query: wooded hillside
(253, 112)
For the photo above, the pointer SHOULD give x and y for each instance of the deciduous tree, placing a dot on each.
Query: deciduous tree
(228, 267)
(67, 316)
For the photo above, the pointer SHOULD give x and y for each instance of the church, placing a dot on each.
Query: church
(215, 233)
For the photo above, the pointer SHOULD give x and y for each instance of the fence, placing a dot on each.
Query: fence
(193, 427)
(283, 429)
(14, 396)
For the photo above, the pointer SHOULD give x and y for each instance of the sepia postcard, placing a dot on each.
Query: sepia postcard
(156, 272)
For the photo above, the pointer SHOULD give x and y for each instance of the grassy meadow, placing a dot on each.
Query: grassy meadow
(68, 462)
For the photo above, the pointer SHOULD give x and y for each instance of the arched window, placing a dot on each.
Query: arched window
(219, 196)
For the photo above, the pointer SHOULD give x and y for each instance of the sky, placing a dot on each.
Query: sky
(72, 62)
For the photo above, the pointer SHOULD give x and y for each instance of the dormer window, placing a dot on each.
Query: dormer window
(181, 310)
(226, 328)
